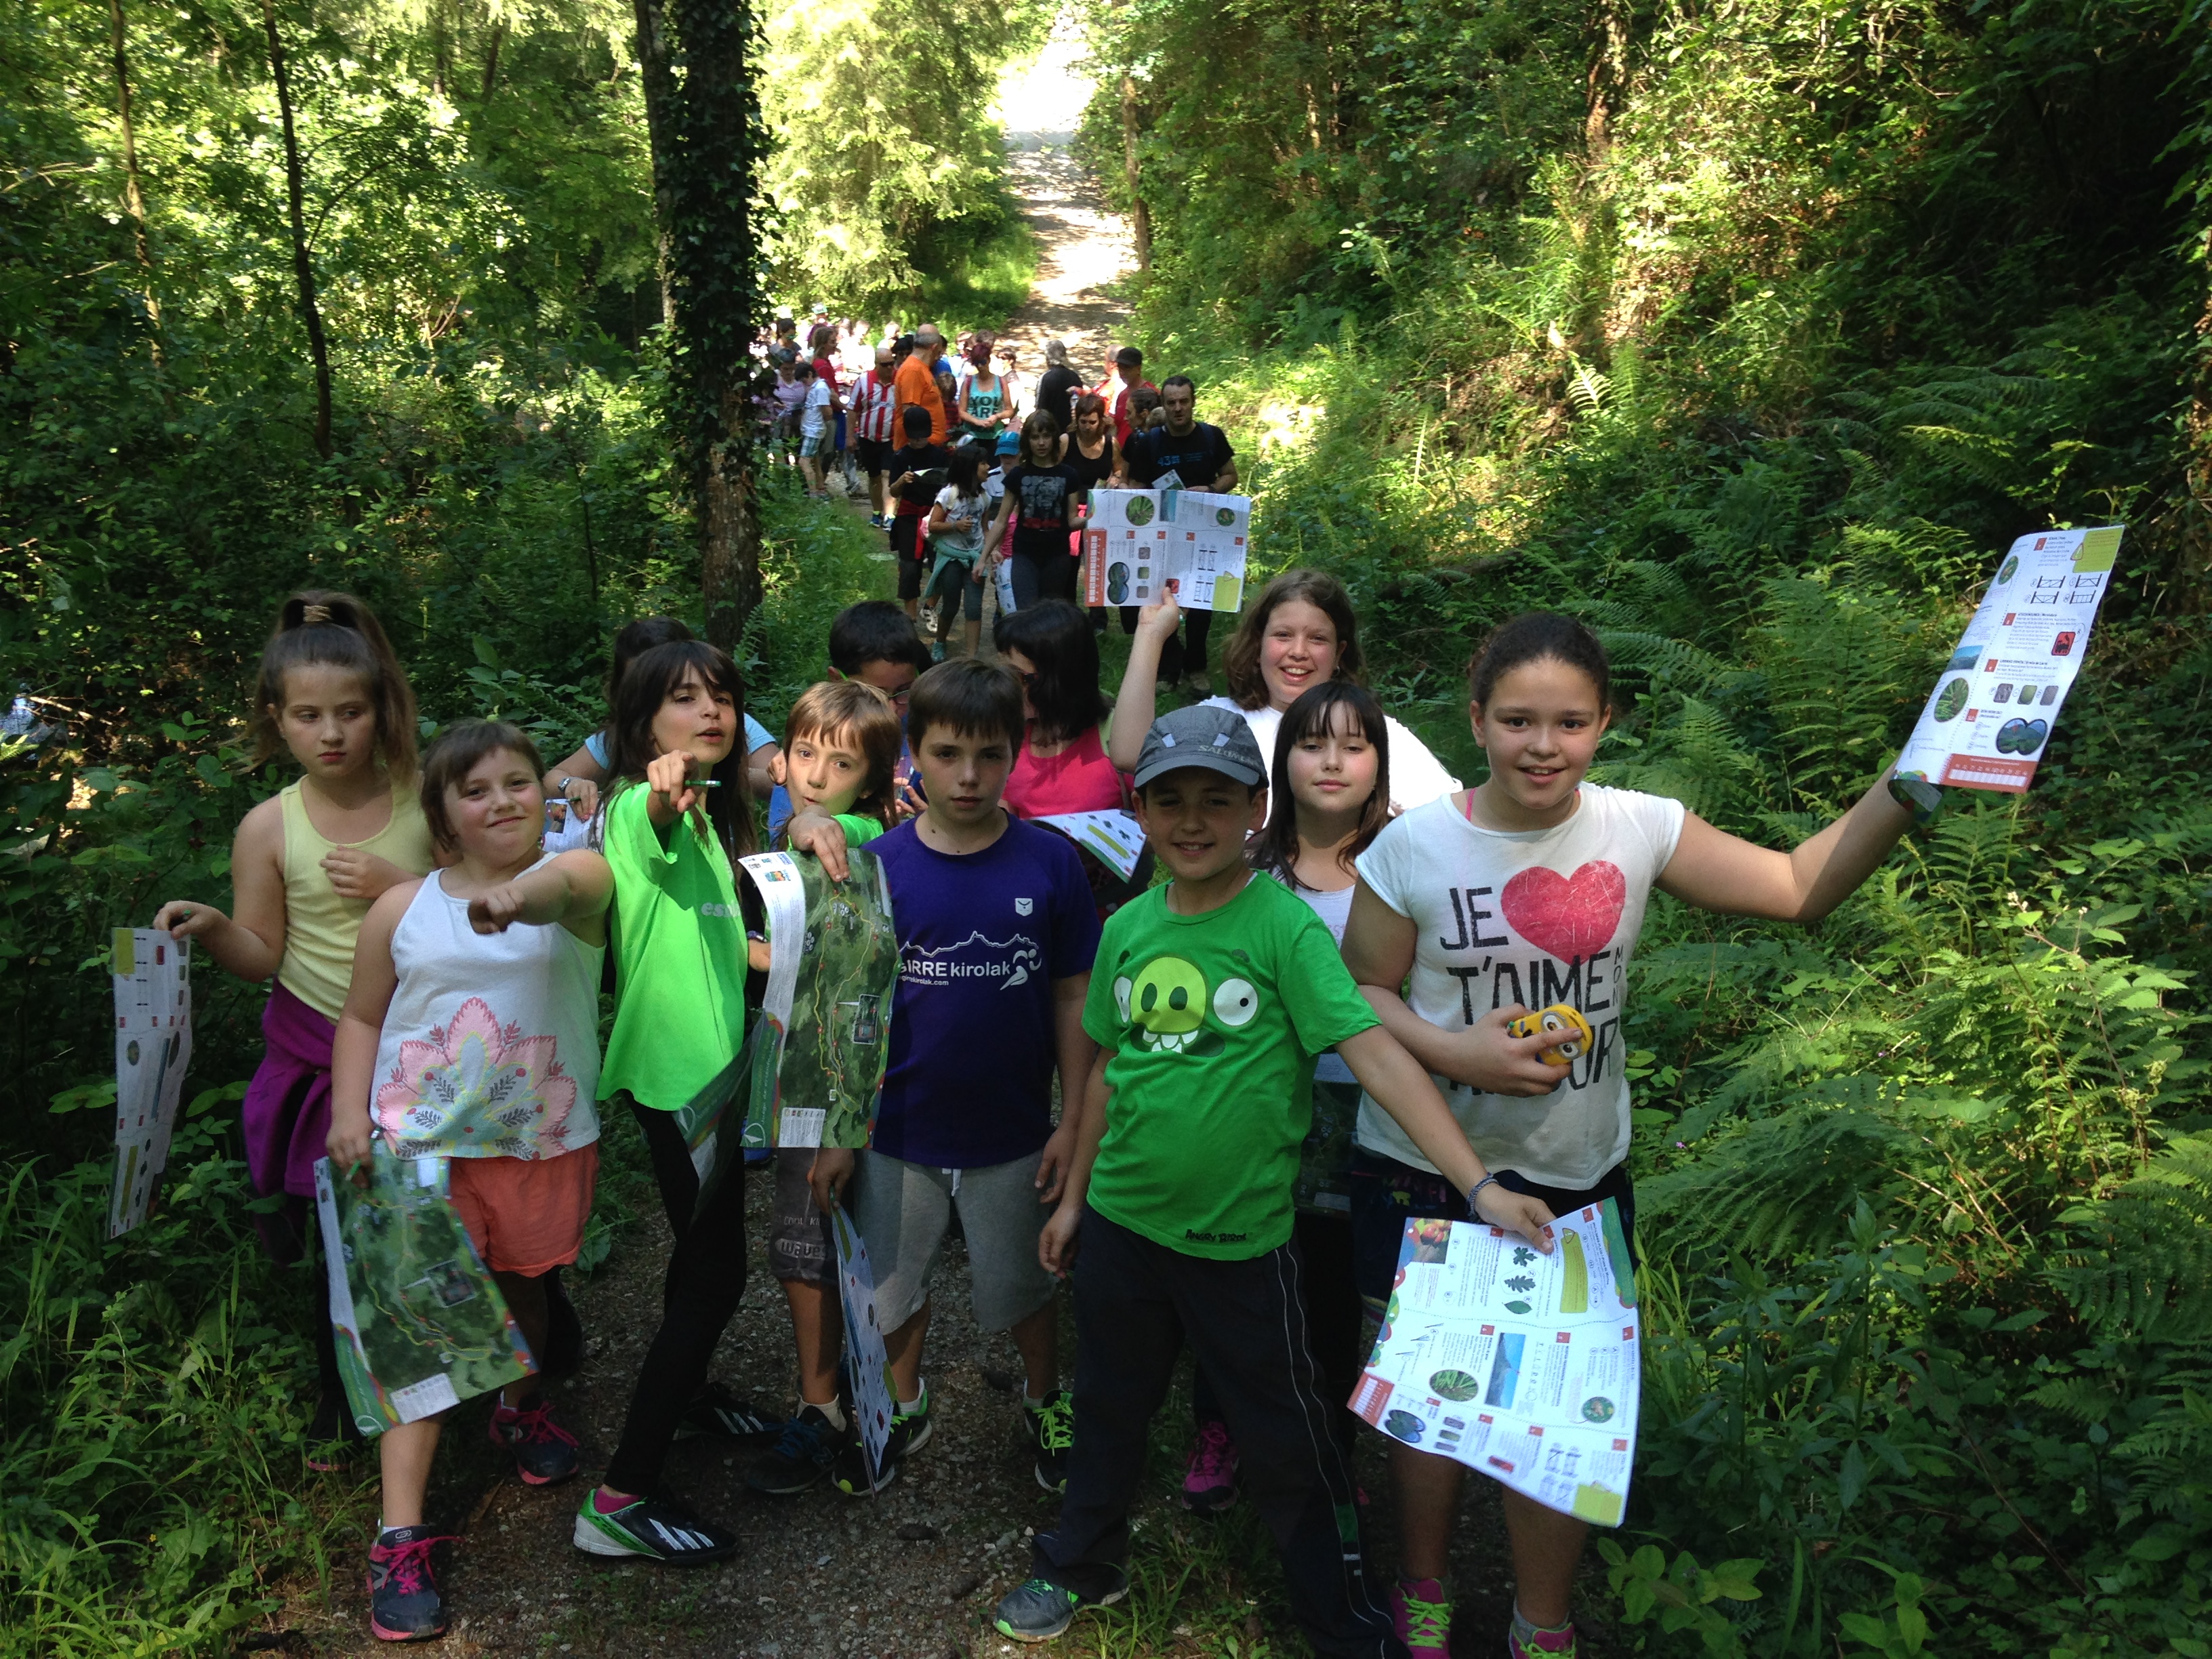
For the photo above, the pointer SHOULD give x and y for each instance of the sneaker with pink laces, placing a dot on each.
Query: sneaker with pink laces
(544, 1452)
(1209, 1485)
(1421, 1614)
(403, 1603)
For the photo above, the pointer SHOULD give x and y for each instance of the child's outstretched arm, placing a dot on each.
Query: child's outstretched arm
(249, 943)
(574, 890)
(353, 1050)
(1715, 871)
(1056, 1242)
(1133, 709)
(1394, 1079)
(1379, 949)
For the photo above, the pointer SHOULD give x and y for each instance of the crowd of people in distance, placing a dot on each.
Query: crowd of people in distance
(978, 474)
(1214, 1091)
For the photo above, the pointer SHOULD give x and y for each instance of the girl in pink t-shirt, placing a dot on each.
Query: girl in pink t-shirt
(1063, 766)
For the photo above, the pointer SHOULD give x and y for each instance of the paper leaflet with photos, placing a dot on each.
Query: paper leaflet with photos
(1135, 542)
(151, 973)
(1989, 719)
(813, 1060)
(1522, 1365)
(867, 1362)
(1111, 838)
(421, 1325)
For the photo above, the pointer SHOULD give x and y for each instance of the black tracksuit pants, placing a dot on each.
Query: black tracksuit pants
(705, 1281)
(1136, 1302)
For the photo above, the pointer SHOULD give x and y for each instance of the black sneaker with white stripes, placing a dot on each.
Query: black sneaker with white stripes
(716, 1411)
(651, 1527)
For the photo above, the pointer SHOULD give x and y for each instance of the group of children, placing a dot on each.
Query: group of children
(1192, 1187)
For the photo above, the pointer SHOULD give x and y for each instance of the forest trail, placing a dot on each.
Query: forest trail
(1083, 246)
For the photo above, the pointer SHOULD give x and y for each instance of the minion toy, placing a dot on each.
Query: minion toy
(1574, 1032)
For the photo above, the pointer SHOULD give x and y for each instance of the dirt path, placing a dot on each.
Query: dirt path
(1084, 247)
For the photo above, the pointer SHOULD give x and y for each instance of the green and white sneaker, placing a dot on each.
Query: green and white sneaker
(1051, 1431)
(651, 1527)
(1041, 1609)
(909, 1433)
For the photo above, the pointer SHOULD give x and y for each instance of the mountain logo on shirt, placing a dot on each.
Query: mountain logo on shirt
(1168, 1001)
(1010, 961)
(1566, 916)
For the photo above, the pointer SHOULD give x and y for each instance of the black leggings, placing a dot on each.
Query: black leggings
(705, 1281)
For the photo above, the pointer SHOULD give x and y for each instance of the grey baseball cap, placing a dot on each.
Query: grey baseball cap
(1216, 738)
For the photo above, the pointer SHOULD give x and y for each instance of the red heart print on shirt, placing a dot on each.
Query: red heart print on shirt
(1566, 916)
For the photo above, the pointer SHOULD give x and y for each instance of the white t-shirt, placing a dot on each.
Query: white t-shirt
(1534, 917)
(1417, 776)
(813, 413)
(1334, 909)
(966, 543)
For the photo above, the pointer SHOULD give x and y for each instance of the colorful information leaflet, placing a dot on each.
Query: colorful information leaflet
(833, 964)
(1523, 1365)
(1137, 541)
(869, 1362)
(1995, 703)
(420, 1323)
(152, 975)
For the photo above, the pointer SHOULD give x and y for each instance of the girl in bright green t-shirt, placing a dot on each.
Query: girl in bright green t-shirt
(680, 815)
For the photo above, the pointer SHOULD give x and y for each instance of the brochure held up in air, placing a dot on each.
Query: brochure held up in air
(1986, 723)
(1525, 1366)
(1137, 541)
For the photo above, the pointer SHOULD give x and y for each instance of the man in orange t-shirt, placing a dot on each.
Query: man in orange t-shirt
(916, 383)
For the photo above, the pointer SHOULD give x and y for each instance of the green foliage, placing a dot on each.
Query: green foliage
(887, 173)
(1752, 343)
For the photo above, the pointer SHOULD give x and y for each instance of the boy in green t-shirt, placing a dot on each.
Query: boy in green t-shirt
(1210, 999)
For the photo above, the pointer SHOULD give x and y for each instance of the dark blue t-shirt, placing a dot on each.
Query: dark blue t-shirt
(981, 939)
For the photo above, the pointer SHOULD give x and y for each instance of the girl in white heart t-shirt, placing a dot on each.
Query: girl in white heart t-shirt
(1527, 890)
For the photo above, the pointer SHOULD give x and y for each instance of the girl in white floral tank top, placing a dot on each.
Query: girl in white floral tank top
(468, 1048)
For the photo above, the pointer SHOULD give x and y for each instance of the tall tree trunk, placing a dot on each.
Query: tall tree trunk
(714, 267)
(1608, 76)
(1141, 216)
(302, 268)
(660, 88)
(491, 59)
(133, 198)
(2194, 574)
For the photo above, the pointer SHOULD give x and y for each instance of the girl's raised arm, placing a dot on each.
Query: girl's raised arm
(249, 943)
(1715, 871)
(1134, 707)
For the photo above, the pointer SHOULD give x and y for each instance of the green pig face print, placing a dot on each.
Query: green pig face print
(1168, 1001)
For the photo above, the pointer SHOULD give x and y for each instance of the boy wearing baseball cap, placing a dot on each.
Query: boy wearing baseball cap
(1209, 999)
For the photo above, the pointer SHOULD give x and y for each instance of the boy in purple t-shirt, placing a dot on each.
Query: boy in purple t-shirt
(997, 929)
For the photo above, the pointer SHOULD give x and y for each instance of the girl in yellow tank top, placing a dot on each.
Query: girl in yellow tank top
(305, 866)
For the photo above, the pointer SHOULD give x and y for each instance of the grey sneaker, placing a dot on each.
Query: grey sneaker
(1041, 1609)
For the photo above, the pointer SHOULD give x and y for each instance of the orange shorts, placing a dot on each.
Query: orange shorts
(527, 1215)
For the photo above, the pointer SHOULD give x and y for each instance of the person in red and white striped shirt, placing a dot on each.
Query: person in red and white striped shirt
(871, 405)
